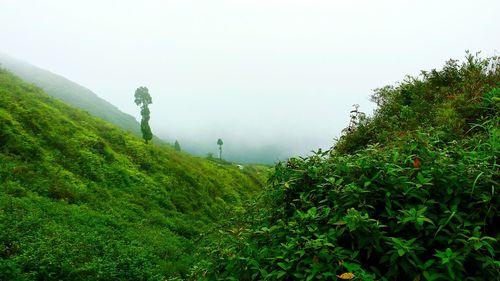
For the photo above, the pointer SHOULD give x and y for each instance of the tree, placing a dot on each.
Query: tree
(143, 99)
(177, 146)
(220, 143)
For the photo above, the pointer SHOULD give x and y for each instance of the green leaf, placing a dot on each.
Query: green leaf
(280, 274)
(428, 263)
(283, 265)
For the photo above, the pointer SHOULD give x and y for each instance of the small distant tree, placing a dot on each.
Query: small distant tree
(177, 146)
(220, 143)
(143, 100)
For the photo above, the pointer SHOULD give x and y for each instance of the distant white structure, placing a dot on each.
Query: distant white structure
(239, 166)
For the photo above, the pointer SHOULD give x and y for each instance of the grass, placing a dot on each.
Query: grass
(82, 199)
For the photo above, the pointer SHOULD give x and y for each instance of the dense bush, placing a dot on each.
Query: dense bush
(450, 100)
(411, 193)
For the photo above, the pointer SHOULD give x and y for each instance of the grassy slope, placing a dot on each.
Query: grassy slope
(408, 194)
(71, 93)
(82, 199)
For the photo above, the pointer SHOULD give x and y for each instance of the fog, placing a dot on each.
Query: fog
(264, 75)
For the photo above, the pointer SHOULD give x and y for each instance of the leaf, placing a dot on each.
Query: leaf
(443, 225)
(283, 265)
(475, 181)
(312, 212)
(346, 276)
(280, 274)
(300, 252)
(311, 276)
(254, 263)
(339, 223)
(428, 263)
(263, 272)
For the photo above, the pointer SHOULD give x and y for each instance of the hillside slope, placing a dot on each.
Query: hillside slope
(81, 97)
(81, 199)
(70, 92)
(411, 193)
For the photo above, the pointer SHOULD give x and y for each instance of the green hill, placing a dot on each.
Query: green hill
(70, 92)
(81, 97)
(410, 193)
(81, 199)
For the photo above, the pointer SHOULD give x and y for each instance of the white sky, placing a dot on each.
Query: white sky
(259, 72)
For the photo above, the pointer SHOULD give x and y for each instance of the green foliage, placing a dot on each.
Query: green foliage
(177, 146)
(143, 99)
(449, 100)
(81, 199)
(220, 143)
(408, 194)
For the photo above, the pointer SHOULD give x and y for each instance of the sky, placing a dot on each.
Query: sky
(257, 73)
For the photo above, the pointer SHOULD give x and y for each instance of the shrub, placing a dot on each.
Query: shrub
(410, 194)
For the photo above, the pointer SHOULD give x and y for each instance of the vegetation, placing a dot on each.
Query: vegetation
(177, 146)
(410, 193)
(81, 199)
(81, 97)
(220, 143)
(71, 93)
(143, 100)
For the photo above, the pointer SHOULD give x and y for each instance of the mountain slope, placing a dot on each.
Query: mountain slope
(81, 199)
(70, 92)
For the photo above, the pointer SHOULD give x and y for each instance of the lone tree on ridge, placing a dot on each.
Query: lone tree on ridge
(220, 143)
(143, 100)
(177, 146)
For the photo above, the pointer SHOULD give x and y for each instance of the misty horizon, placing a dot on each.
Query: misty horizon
(273, 74)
